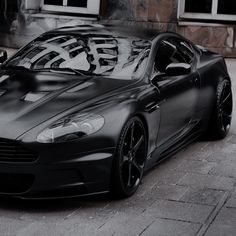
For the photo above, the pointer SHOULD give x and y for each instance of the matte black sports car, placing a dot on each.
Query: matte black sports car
(87, 109)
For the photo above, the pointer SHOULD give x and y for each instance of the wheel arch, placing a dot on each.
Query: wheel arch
(144, 121)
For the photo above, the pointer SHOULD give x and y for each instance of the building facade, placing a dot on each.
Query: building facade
(206, 22)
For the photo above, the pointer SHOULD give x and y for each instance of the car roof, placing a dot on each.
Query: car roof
(113, 30)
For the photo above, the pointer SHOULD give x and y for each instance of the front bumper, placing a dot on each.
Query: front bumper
(60, 170)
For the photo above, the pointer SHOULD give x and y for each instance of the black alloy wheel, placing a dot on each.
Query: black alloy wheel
(130, 159)
(226, 107)
(222, 115)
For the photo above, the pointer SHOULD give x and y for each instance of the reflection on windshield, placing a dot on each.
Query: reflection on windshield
(116, 57)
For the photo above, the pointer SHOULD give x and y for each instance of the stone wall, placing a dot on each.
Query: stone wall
(162, 14)
(18, 26)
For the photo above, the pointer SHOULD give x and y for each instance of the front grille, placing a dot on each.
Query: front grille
(13, 151)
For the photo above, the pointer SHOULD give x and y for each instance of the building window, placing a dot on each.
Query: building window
(207, 10)
(72, 6)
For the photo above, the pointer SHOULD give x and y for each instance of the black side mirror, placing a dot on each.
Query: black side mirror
(177, 69)
(3, 56)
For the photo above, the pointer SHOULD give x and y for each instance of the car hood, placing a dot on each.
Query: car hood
(28, 99)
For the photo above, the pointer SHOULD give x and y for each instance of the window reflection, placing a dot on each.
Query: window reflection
(200, 6)
(227, 7)
(117, 57)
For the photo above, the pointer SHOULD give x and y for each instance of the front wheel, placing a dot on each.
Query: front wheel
(221, 118)
(129, 163)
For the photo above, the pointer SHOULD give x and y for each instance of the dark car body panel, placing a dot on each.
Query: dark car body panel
(62, 93)
(175, 111)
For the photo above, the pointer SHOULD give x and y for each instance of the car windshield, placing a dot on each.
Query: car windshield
(101, 55)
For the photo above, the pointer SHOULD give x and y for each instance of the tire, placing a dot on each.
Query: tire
(220, 121)
(130, 159)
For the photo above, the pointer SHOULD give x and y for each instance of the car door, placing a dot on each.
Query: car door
(179, 88)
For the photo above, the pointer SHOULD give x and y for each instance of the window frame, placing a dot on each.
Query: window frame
(174, 40)
(213, 16)
(93, 7)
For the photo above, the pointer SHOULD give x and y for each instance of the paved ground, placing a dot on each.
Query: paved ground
(192, 193)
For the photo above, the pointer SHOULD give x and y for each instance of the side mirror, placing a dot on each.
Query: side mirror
(177, 69)
(3, 56)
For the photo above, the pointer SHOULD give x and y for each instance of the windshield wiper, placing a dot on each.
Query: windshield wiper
(13, 67)
(60, 70)
(65, 70)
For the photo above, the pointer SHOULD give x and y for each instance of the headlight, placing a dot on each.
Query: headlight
(72, 127)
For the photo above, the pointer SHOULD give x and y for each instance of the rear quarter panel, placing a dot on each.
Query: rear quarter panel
(212, 69)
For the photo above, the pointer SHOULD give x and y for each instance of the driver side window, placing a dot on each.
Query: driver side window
(172, 50)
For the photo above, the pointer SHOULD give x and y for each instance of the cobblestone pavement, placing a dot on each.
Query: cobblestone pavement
(192, 193)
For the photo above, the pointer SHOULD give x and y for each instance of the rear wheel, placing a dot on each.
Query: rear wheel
(129, 163)
(221, 118)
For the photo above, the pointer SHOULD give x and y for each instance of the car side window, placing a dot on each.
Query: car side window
(172, 50)
(186, 50)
